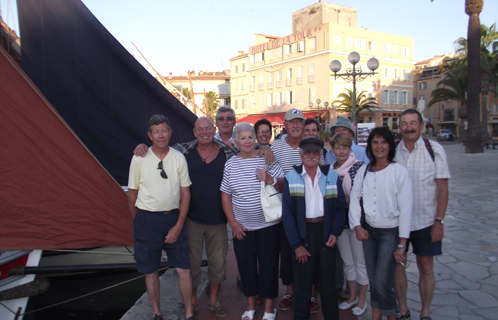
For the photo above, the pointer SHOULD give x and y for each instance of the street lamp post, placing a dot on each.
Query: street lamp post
(318, 101)
(354, 74)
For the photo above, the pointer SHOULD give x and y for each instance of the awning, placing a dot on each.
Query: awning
(276, 118)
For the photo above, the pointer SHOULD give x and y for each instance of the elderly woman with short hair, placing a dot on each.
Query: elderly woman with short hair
(350, 247)
(255, 241)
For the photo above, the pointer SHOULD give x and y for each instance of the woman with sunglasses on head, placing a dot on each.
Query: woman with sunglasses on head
(349, 246)
(386, 191)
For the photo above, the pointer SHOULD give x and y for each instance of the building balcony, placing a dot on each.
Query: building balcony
(299, 80)
(261, 87)
(311, 79)
(279, 83)
(288, 82)
(252, 88)
(270, 85)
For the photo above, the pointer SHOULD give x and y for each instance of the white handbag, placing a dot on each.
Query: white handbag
(271, 201)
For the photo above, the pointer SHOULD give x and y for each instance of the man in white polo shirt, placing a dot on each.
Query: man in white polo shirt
(158, 196)
(429, 172)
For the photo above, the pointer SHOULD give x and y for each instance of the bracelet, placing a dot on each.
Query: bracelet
(274, 181)
(401, 246)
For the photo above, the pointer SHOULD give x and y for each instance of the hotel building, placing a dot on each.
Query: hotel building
(279, 73)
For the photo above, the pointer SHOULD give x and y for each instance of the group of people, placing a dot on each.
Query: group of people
(359, 206)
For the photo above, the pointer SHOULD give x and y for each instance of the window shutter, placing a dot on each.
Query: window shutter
(384, 96)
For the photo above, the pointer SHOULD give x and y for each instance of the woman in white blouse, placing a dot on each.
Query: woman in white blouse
(255, 241)
(387, 203)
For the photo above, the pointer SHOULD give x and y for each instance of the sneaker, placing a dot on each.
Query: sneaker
(314, 306)
(218, 309)
(286, 302)
(399, 316)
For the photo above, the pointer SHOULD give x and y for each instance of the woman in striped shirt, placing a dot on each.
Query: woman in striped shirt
(256, 242)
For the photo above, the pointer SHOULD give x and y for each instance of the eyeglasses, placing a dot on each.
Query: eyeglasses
(264, 131)
(163, 173)
(221, 119)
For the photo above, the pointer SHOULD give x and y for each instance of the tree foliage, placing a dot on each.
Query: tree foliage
(212, 103)
(345, 102)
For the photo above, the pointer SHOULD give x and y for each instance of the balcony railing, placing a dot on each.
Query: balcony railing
(299, 80)
(261, 86)
(288, 82)
(279, 83)
(270, 85)
(252, 88)
(311, 78)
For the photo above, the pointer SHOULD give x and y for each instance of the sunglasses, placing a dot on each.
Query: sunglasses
(163, 173)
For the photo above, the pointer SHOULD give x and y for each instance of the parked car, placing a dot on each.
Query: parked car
(445, 134)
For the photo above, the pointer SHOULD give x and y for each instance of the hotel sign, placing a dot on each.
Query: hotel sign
(296, 37)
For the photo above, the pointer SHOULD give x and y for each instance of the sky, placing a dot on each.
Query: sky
(200, 35)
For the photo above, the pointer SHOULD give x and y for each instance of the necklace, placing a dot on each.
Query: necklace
(204, 159)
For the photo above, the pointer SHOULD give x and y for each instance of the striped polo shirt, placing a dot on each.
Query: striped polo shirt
(239, 180)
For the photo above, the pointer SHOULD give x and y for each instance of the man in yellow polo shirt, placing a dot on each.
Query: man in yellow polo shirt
(159, 196)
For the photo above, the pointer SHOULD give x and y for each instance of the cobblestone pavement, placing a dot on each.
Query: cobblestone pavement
(467, 272)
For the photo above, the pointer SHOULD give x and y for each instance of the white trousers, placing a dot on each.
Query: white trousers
(351, 250)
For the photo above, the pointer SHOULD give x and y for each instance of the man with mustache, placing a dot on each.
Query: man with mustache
(429, 172)
(314, 214)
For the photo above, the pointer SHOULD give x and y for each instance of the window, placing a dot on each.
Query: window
(243, 107)
(395, 123)
(405, 51)
(313, 43)
(360, 44)
(404, 98)
(395, 96)
(337, 40)
(386, 48)
(279, 79)
(269, 99)
(371, 45)
(312, 95)
(406, 75)
(385, 122)
(236, 69)
(262, 56)
(261, 101)
(395, 49)
(270, 54)
(261, 82)
(311, 76)
(243, 86)
(385, 96)
(423, 85)
(251, 58)
(279, 52)
(253, 102)
(396, 73)
(299, 79)
(279, 99)
(385, 72)
(289, 77)
(290, 97)
(236, 104)
(243, 67)
(300, 98)
(349, 42)
(289, 49)
(253, 83)
(300, 46)
(236, 85)
(494, 108)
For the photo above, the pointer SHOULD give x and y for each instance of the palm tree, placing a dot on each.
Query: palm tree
(212, 103)
(474, 133)
(452, 87)
(345, 102)
(488, 67)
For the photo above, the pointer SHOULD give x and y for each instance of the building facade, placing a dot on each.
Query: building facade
(293, 71)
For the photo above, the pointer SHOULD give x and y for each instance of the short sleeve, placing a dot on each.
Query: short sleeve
(440, 161)
(183, 172)
(134, 175)
(225, 182)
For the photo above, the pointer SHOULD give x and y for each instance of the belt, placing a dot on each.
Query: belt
(167, 213)
(314, 220)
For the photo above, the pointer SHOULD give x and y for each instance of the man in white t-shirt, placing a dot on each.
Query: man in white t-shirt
(158, 196)
(429, 172)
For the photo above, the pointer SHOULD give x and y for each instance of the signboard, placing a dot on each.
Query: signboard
(363, 131)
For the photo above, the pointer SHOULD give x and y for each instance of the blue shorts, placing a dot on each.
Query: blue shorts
(422, 243)
(150, 230)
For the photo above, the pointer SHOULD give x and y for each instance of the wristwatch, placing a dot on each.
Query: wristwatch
(401, 246)
(441, 221)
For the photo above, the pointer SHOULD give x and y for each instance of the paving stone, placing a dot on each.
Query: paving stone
(446, 311)
(480, 299)
(487, 313)
(448, 284)
(469, 270)
(493, 280)
(470, 317)
(492, 290)
(449, 300)
(466, 256)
